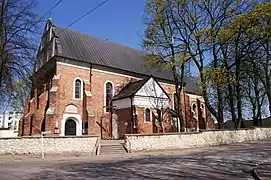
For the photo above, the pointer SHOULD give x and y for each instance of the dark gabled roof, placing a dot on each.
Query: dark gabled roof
(130, 89)
(89, 49)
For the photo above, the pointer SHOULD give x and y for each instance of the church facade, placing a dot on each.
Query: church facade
(86, 86)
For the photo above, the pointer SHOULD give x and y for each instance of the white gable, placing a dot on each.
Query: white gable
(151, 95)
(151, 89)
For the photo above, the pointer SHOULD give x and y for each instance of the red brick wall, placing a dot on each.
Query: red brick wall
(64, 96)
(98, 80)
(66, 84)
(124, 121)
(143, 127)
(150, 127)
(167, 121)
(33, 116)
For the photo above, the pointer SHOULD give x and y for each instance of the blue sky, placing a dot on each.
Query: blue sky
(118, 21)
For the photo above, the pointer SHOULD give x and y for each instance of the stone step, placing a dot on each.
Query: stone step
(112, 149)
(113, 152)
(112, 146)
(111, 142)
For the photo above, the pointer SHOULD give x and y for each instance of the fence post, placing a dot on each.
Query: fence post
(42, 143)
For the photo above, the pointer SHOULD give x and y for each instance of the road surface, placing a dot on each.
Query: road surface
(222, 162)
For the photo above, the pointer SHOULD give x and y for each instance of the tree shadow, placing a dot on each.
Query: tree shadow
(234, 162)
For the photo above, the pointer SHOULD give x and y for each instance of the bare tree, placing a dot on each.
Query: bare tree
(247, 60)
(19, 26)
(166, 51)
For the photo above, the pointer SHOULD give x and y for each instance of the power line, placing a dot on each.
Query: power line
(87, 13)
(49, 11)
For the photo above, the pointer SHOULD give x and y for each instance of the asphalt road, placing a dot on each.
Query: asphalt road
(222, 162)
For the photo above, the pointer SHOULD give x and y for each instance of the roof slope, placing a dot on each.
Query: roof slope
(82, 47)
(130, 89)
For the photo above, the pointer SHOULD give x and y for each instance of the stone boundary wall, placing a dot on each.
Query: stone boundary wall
(8, 133)
(136, 142)
(52, 145)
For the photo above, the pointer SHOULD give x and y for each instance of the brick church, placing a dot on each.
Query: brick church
(86, 86)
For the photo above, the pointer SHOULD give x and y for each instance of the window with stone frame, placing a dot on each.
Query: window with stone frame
(108, 95)
(147, 115)
(77, 89)
(202, 110)
(194, 110)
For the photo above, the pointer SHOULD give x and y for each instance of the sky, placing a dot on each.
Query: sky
(118, 21)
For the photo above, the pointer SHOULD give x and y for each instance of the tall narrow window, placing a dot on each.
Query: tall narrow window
(108, 95)
(194, 110)
(147, 115)
(77, 89)
(202, 110)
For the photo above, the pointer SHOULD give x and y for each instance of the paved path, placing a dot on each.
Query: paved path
(222, 162)
(262, 171)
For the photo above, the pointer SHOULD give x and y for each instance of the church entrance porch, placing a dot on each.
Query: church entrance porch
(71, 124)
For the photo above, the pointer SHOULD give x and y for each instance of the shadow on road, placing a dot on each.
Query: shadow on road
(233, 162)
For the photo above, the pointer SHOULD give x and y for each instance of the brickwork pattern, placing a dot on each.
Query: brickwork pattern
(60, 94)
(124, 121)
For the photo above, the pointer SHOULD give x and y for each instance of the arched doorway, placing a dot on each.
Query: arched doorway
(70, 127)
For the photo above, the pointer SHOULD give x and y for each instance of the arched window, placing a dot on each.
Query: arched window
(77, 89)
(202, 110)
(108, 96)
(147, 115)
(194, 110)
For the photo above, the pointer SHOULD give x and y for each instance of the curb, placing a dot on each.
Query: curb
(255, 174)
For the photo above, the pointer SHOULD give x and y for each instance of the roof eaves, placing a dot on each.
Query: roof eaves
(123, 97)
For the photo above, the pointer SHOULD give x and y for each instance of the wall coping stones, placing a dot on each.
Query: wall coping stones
(162, 134)
(48, 137)
(239, 129)
(185, 133)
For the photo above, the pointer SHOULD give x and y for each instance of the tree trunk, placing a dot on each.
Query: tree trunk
(206, 100)
(255, 121)
(179, 107)
(231, 104)
(268, 75)
(2, 41)
(238, 87)
(239, 105)
(218, 88)
(258, 103)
